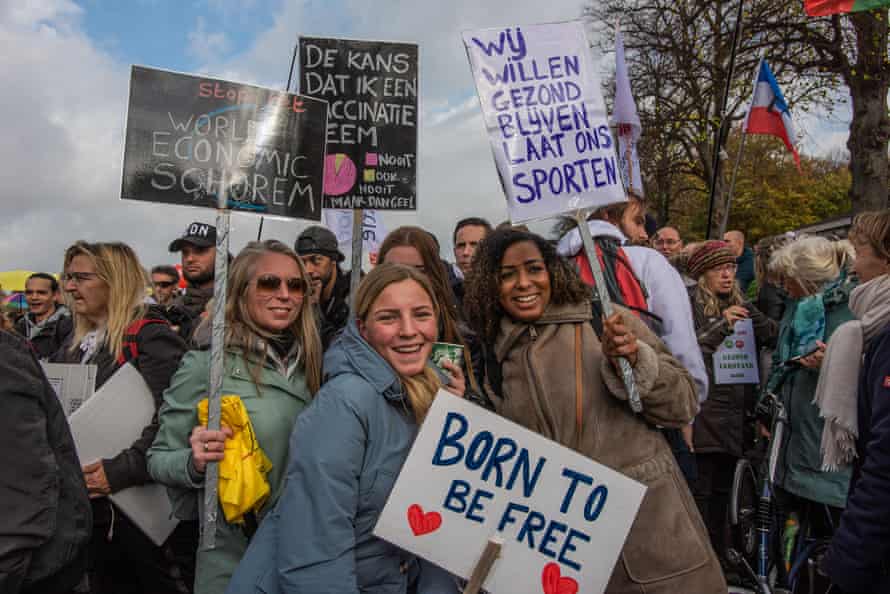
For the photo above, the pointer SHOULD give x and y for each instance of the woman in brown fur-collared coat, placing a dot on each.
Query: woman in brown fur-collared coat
(535, 317)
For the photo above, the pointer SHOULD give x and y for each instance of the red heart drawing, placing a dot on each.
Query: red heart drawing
(423, 523)
(554, 583)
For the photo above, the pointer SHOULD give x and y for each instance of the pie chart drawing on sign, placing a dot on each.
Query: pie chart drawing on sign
(339, 174)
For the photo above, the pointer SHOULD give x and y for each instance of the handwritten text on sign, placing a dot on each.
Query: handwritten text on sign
(472, 475)
(191, 139)
(735, 361)
(545, 117)
(371, 89)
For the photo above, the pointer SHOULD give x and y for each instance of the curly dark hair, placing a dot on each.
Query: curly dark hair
(482, 304)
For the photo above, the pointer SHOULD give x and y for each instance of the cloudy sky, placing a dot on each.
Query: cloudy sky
(65, 72)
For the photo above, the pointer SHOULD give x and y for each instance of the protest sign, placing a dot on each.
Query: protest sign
(735, 360)
(72, 382)
(371, 90)
(373, 230)
(545, 116)
(192, 139)
(473, 475)
(108, 423)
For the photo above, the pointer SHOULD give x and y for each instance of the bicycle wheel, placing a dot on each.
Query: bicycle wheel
(743, 510)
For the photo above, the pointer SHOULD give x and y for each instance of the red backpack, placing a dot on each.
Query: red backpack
(130, 350)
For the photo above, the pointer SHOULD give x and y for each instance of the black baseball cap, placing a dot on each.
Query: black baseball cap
(198, 234)
(319, 240)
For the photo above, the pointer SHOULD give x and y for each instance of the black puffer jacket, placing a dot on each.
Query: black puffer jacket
(46, 519)
(334, 313)
(159, 352)
(185, 314)
(720, 424)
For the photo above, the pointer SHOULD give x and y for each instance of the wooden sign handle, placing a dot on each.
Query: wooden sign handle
(483, 566)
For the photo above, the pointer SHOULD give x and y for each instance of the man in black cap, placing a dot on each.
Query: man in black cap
(321, 256)
(198, 247)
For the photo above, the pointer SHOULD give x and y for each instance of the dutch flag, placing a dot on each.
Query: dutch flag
(768, 113)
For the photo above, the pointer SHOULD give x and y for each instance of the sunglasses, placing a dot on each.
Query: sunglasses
(270, 283)
(165, 284)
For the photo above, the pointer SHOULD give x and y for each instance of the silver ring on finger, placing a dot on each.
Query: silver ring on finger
(206, 446)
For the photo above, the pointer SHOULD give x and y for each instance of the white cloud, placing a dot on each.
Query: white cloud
(206, 45)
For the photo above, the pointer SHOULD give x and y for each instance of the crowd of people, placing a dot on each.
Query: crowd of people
(331, 389)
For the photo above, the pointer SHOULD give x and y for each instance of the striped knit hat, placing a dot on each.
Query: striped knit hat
(709, 255)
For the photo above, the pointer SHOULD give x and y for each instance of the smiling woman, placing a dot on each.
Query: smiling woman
(347, 449)
(273, 365)
(550, 366)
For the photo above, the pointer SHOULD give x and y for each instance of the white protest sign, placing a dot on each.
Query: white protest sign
(546, 119)
(472, 475)
(373, 230)
(735, 361)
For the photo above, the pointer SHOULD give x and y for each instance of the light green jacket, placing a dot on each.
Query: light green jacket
(273, 409)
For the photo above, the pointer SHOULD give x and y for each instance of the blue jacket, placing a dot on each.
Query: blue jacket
(346, 450)
(858, 559)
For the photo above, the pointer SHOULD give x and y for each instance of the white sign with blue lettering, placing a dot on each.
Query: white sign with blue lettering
(546, 119)
(473, 475)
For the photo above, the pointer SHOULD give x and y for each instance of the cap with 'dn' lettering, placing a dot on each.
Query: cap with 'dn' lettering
(198, 234)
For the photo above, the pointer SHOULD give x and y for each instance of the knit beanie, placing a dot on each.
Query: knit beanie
(709, 255)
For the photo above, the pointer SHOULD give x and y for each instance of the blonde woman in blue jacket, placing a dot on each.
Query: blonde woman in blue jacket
(273, 363)
(348, 448)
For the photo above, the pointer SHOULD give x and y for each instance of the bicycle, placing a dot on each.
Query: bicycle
(752, 518)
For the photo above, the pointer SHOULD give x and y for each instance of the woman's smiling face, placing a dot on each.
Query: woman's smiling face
(524, 282)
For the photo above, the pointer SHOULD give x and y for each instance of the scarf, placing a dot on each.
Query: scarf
(836, 392)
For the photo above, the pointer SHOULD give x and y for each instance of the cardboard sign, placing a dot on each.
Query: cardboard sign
(545, 116)
(371, 90)
(108, 423)
(72, 382)
(735, 361)
(472, 475)
(190, 138)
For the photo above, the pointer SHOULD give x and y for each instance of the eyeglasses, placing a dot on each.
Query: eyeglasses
(269, 284)
(78, 277)
(164, 284)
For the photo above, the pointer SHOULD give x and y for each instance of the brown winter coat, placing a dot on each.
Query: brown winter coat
(667, 550)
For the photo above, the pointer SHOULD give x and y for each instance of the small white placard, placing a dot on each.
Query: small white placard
(473, 475)
(74, 383)
(735, 361)
(110, 422)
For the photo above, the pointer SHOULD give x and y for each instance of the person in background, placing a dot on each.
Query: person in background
(770, 296)
(112, 327)
(723, 430)
(273, 364)
(46, 325)
(667, 241)
(816, 275)
(198, 247)
(46, 520)
(164, 284)
(415, 247)
(318, 249)
(468, 233)
(744, 258)
(551, 366)
(347, 449)
(856, 403)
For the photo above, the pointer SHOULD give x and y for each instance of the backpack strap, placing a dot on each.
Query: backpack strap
(130, 345)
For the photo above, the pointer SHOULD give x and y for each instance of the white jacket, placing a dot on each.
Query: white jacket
(667, 297)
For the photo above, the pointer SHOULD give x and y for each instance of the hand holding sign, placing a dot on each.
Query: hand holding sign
(472, 475)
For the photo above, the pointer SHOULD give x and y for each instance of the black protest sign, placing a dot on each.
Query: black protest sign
(191, 138)
(371, 90)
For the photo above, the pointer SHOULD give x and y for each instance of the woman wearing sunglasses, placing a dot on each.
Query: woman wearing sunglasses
(273, 364)
(105, 286)
(348, 448)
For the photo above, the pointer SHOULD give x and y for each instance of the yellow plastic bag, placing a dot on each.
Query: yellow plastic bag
(242, 472)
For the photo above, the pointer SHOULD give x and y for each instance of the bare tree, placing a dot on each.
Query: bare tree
(678, 54)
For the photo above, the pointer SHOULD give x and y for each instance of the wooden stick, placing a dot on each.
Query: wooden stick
(483, 566)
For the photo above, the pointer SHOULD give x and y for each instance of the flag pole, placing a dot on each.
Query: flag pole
(738, 157)
(721, 131)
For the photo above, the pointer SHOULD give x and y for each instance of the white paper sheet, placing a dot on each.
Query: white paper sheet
(110, 422)
(74, 383)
